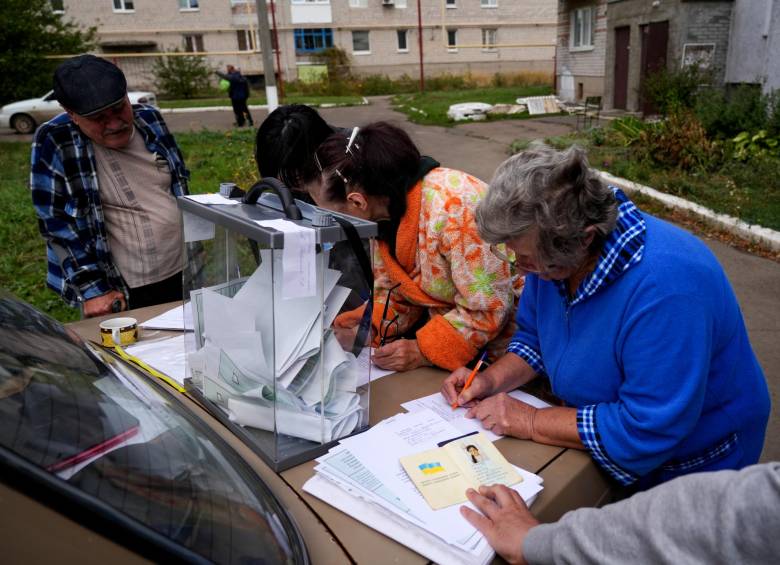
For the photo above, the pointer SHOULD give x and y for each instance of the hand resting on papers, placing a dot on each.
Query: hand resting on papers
(499, 413)
(397, 355)
(505, 519)
(504, 415)
(488, 401)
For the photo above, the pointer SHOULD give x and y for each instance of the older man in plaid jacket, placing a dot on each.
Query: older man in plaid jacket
(105, 176)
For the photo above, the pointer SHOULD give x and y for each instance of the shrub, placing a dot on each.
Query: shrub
(773, 114)
(372, 85)
(628, 130)
(181, 76)
(748, 146)
(724, 114)
(338, 62)
(679, 142)
(670, 91)
(498, 80)
(597, 136)
(519, 145)
(449, 81)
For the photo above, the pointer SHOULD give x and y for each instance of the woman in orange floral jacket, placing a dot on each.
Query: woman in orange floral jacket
(440, 295)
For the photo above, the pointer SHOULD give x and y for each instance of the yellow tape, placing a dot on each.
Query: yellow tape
(152, 371)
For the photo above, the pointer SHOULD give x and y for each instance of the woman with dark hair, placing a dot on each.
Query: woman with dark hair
(284, 149)
(285, 145)
(632, 320)
(440, 295)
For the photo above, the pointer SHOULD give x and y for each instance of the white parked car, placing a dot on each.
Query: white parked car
(25, 116)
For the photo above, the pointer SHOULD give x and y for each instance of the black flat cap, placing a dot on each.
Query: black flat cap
(87, 84)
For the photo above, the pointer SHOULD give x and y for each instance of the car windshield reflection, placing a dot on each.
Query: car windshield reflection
(91, 420)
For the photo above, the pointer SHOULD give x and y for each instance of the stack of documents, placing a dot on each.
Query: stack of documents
(363, 477)
(273, 362)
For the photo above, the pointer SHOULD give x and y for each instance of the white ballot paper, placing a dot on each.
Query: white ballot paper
(365, 366)
(260, 357)
(363, 477)
(298, 267)
(212, 199)
(457, 417)
(405, 434)
(177, 318)
(165, 355)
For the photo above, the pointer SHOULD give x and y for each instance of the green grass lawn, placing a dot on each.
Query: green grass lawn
(749, 191)
(309, 100)
(430, 108)
(212, 157)
(23, 259)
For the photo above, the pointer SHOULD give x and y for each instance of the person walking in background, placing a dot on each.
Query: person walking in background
(239, 94)
(105, 176)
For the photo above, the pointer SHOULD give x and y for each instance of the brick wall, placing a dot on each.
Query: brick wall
(707, 22)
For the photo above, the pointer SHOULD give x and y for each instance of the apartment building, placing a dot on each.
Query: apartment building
(608, 47)
(582, 43)
(381, 36)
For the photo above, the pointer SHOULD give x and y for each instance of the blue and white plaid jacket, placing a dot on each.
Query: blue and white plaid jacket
(64, 185)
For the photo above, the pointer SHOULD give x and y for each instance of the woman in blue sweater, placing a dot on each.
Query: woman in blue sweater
(632, 320)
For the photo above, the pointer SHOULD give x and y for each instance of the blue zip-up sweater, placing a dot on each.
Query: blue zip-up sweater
(653, 352)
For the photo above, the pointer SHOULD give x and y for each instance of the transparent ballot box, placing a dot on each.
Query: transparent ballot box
(280, 321)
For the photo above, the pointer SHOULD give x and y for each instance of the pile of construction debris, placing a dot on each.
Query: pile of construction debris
(477, 111)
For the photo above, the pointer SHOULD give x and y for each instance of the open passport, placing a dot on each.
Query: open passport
(442, 475)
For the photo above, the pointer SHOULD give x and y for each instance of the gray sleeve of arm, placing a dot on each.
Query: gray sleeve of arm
(721, 517)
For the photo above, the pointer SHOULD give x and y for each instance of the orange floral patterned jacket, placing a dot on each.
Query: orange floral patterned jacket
(447, 272)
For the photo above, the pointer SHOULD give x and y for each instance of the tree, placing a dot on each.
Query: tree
(338, 62)
(181, 76)
(29, 32)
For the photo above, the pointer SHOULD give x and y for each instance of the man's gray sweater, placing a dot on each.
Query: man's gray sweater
(721, 517)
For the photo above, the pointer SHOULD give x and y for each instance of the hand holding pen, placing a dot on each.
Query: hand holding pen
(470, 378)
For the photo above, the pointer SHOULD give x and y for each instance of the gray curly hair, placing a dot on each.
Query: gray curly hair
(554, 192)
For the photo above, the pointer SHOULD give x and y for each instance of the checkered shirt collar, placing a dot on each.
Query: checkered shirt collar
(622, 249)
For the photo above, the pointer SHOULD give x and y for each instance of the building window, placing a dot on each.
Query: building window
(452, 40)
(451, 4)
(400, 3)
(488, 3)
(193, 44)
(582, 20)
(358, 3)
(57, 6)
(124, 6)
(403, 46)
(188, 5)
(360, 42)
(247, 41)
(313, 40)
(489, 39)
